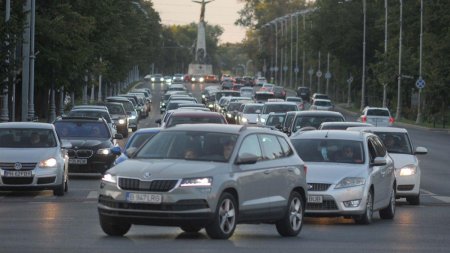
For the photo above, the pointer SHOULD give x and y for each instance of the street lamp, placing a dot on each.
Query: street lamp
(399, 97)
(363, 79)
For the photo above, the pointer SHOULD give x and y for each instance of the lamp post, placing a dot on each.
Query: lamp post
(385, 48)
(291, 68)
(32, 59)
(399, 97)
(282, 53)
(363, 78)
(4, 117)
(419, 113)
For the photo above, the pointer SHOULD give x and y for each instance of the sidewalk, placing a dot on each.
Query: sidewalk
(342, 108)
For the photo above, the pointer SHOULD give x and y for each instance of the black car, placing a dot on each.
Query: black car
(303, 92)
(279, 92)
(91, 142)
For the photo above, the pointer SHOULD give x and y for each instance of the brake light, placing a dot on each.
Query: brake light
(391, 120)
(363, 119)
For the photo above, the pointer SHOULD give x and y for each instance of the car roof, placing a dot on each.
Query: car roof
(330, 134)
(26, 125)
(280, 103)
(379, 129)
(82, 119)
(148, 130)
(101, 107)
(322, 100)
(222, 128)
(196, 113)
(319, 113)
(345, 123)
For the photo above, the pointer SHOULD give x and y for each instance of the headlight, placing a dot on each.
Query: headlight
(210, 105)
(121, 121)
(350, 182)
(244, 120)
(193, 79)
(132, 117)
(109, 178)
(201, 79)
(262, 120)
(229, 115)
(103, 151)
(153, 79)
(200, 181)
(161, 79)
(203, 96)
(49, 163)
(408, 170)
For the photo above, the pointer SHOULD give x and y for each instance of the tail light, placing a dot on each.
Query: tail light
(364, 119)
(391, 120)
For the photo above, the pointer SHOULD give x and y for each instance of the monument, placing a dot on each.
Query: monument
(200, 66)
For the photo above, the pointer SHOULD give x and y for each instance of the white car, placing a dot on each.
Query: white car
(350, 174)
(32, 158)
(322, 105)
(407, 169)
(377, 116)
(275, 107)
(249, 114)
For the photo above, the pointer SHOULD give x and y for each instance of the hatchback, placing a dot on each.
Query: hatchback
(350, 174)
(380, 117)
(207, 176)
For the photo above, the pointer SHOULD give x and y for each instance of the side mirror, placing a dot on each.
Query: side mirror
(278, 126)
(130, 152)
(258, 111)
(421, 151)
(116, 150)
(247, 158)
(118, 136)
(158, 121)
(379, 161)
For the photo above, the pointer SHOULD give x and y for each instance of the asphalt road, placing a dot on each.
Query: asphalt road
(41, 222)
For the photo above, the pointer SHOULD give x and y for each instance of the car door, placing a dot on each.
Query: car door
(380, 174)
(252, 182)
(387, 171)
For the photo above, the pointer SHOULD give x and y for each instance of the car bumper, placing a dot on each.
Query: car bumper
(41, 179)
(333, 202)
(95, 164)
(179, 206)
(407, 186)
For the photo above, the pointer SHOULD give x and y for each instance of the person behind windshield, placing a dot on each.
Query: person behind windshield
(347, 155)
(95, 131)
(35, 139)
(190, 154)
(389, 142)
(228, 149)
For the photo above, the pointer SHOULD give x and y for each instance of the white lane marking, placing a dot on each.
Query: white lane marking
(92, 195)
(427, 192)
(445, 199)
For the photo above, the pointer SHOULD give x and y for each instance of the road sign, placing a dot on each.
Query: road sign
(350, 80)
(296, 69)
(285, 68)
(319, 73)
(420, 83)
(276, 69)
(310, 71)
(328, 75)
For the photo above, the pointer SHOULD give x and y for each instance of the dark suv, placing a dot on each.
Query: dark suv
(91, 142)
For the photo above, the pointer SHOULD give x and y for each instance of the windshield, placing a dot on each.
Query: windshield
(268, 108)
(172, 105)
(322, 103)
(94, 114)
(80, 129)
(292, 99)
(139, 139)
(314, 121)
(396, 142)
(329, 151)
(251, 109)
(26, 138)
(115, 109)
(233, 106)
(274, 120)
(189, 145)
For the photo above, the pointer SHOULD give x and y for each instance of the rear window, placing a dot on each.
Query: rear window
(268, 108)
(378, 112)
(322, 103)
(314, 121)
(81, 129)
(176, 120)
(95, 114)
(329, 151)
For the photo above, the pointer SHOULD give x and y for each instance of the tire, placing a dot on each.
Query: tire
(367, 217)
(388, 212)
(415, 201)
(191, 229)
(134, 129)
(292, 222)
(225, 217)
(61, 189)
(114, 227)
(125, 133)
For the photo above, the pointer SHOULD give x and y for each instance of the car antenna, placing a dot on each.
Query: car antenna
(326, 135)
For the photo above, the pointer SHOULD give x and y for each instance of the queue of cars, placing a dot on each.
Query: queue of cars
(196, 171)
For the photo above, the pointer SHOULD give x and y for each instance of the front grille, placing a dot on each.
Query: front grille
(80, 153)
(17, 180)
(405, 187)
(325, 205)
(46, 180)
(133, 184)
(182, 205)
(11, 166)
(318, 187)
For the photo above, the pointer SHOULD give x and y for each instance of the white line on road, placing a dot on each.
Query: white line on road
(445, 199)
(92, 195)
(427, 193)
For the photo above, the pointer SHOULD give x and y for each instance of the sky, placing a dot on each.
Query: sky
(218, 12)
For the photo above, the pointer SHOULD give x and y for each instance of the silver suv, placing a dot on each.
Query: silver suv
(194, 178)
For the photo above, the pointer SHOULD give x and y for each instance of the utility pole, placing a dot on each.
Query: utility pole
(399, 97)
(419, 112)
(282, 54)
(100, 84)
(32, 59)
(304, 53)
(291, 67)
(26, 61)
(319, 74)
(385, 49)
(363, 79)
(327, 74)
(4, 117)
(296, 50)
(276, 51)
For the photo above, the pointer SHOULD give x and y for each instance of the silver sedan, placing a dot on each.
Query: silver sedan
(32, 158)
(350, 174)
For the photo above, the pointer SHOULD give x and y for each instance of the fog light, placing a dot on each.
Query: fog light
(352, 203)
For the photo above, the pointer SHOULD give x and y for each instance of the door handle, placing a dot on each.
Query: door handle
(267, 172)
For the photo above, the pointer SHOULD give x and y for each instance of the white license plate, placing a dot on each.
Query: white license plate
(315, 199)
(144, 198)
(77, 161)
(25, 173)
